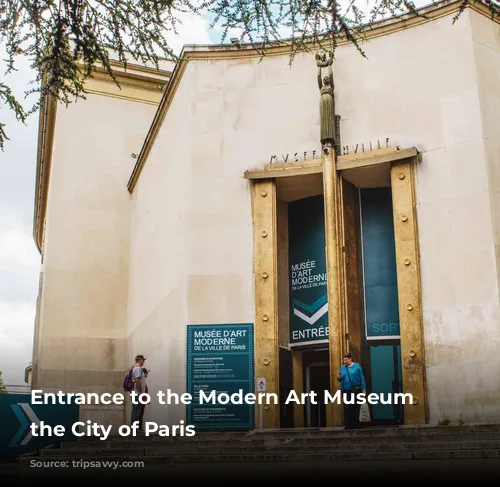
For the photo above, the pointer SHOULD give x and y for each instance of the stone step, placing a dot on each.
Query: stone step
(81, 452)
(256, 440)
(422, 430)
(282, 449)
(288, 457)
(377, 431)
(381, 447)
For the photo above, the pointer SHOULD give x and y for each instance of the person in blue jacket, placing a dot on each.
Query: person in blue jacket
(352, 381)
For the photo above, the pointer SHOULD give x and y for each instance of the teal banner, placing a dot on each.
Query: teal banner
(385, 371)
(308, 282)
(220, 358)
(17, 414)
(379, 262)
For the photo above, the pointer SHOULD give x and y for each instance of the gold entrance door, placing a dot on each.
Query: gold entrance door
(273, 189)
(276, 202)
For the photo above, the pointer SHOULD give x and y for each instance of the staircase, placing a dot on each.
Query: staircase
(479, 441)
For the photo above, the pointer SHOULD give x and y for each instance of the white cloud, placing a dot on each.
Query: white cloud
(13, 320)
(19, 269)
(17, 248)
(16, 340)
(193, 30)
(19, 257)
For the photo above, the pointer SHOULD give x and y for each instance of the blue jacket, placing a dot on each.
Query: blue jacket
(356, 374)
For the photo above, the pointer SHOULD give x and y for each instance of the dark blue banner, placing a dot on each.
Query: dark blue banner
(220, 359)
(379, 261)
(16, 416)
(308, 278)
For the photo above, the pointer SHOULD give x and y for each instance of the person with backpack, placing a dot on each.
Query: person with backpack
(143, 406)
(136, 381)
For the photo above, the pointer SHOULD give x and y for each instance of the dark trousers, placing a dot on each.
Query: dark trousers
(136, 414)
(141, 418)
(351, 412)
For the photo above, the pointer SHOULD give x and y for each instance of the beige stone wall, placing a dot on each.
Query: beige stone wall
(427, 91)
(156, 312)
(192, 235)
(424, 87)
(482, 333)
(80, 336)
(191, 244)
(459, 275)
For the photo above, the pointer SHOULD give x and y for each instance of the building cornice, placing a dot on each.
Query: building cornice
(165, 102)
(226, 52)
(135, 77)
(46, 130)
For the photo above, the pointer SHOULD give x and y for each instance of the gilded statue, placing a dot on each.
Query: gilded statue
(327, 100)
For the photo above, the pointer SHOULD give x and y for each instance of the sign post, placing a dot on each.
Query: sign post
(220, 360)
(261, 387)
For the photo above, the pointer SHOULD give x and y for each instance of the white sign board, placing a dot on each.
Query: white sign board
(261, 384)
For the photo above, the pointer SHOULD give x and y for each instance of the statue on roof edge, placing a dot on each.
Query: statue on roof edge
(327, 99)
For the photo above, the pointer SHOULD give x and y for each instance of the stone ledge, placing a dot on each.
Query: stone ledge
(302, 457)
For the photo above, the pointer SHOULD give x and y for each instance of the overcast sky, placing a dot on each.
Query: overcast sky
(19, 257)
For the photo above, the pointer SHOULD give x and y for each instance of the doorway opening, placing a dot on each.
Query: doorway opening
(372, 324)
(302, 299)
(317, 380)
(369, 298)
(286, 385)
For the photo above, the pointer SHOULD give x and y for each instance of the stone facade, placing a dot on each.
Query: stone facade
(125, 271)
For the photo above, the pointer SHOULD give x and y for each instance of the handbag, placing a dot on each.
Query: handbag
(364, 414)
(354, 389)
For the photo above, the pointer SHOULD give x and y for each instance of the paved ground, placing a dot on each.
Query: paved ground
(395, 471)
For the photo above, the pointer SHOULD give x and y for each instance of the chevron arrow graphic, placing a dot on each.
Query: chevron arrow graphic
(311, 308)
(25, 415)
(33, 418)
(318, 309)
(24, 424)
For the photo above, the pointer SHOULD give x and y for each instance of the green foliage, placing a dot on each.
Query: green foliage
(9, 99)
(444, 422)
(3, 389)
(64, 40)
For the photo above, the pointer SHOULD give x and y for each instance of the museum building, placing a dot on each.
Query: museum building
(196, 216)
